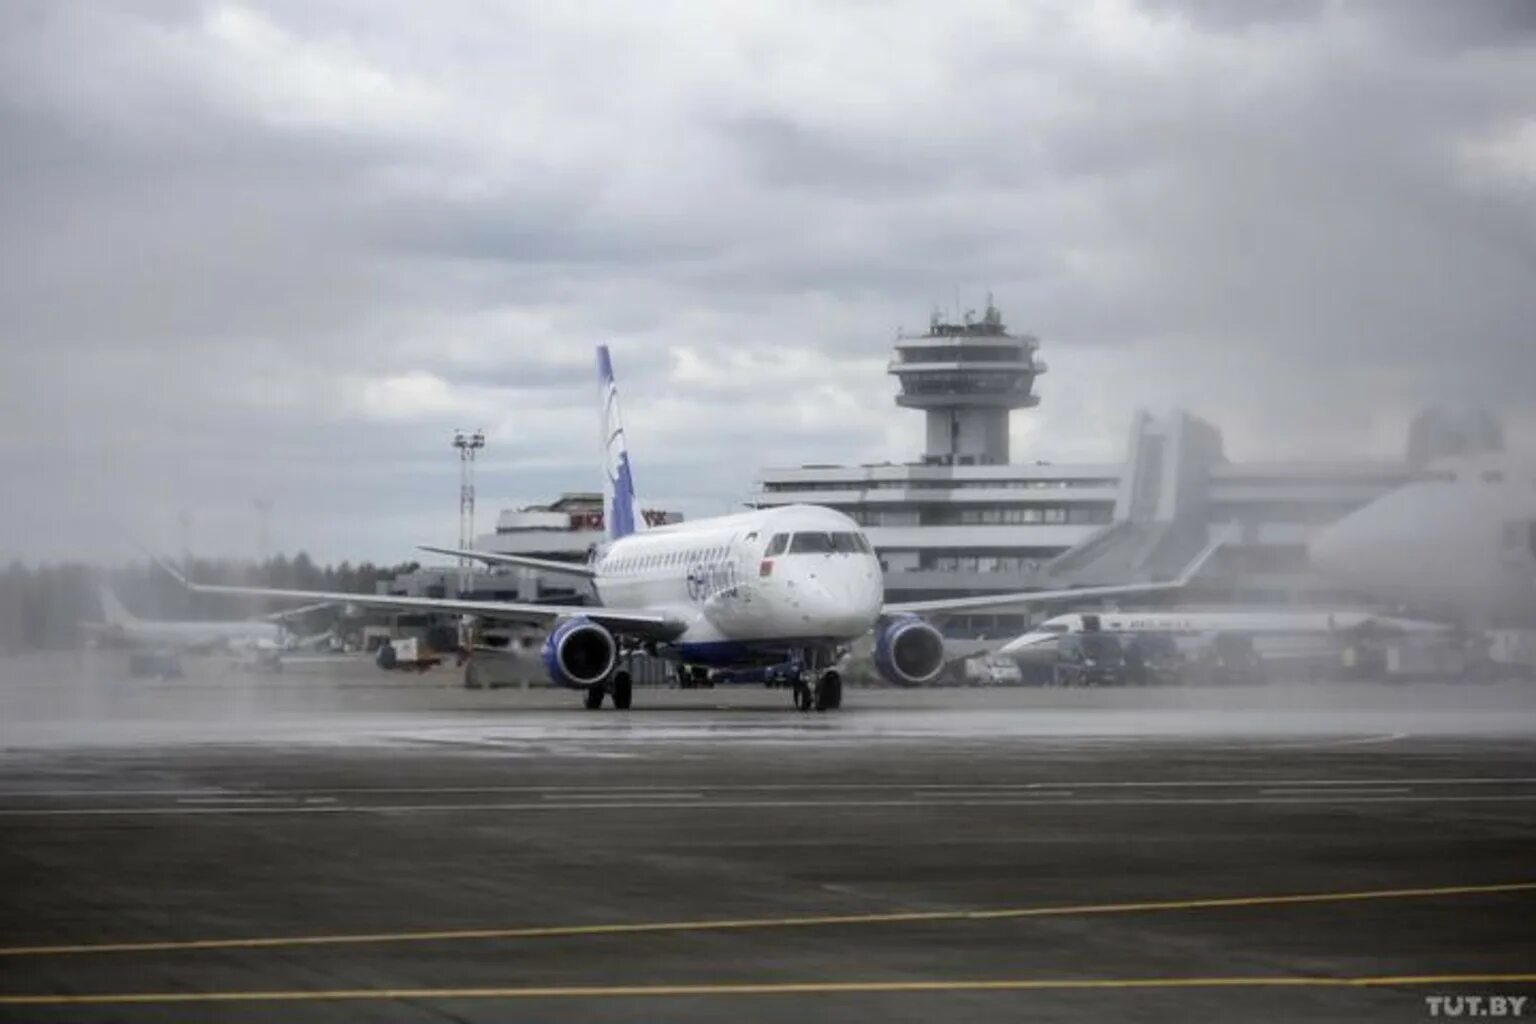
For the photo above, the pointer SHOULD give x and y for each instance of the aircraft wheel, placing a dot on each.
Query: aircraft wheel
(623, 690)
(829, 692)
(803, 696)
(594, 698)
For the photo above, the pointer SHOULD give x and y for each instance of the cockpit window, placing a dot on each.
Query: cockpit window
(828, 543)
(811, 544)
(846, 543)
(777, 545)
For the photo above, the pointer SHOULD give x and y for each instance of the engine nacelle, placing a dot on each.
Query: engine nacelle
(578, 652)
(909, 651)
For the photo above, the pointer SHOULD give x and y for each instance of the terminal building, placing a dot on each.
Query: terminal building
(965, 519)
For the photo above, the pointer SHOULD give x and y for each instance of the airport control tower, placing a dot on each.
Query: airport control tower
(968, 377)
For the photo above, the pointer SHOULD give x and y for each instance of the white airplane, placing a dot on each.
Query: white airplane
(790, 586)
(1251, 622)
(191, 636)
(1459, 542)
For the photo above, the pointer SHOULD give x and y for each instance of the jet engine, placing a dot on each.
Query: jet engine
(578, 652)
(909, 651)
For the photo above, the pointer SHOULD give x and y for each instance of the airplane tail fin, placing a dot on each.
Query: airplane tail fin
(112, 609)
(622, 514)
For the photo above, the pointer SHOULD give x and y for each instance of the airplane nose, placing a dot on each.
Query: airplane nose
(840, 611)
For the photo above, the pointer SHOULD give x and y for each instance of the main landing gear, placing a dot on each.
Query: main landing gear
(621, 687)
(826, 695)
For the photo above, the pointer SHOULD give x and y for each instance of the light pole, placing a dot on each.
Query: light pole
(468, 445)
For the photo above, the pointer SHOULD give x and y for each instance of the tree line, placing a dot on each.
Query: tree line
(42, 607)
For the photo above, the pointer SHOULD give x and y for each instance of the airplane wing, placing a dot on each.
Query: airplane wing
(288, 613)
(1025, 597)
(1028, 597)
(648, 625)
(548, 565)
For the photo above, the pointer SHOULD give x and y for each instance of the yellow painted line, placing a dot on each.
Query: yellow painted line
(764, 923)
(761, 989)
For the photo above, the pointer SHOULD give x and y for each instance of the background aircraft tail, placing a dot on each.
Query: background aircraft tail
(622, 513)
(112, 609)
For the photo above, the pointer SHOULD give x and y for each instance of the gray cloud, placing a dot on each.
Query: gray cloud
(283, 250)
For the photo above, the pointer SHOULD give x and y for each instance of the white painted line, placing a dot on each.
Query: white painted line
(1335, 791)
(1359, 741)
(871, 787)
(989, 800)
(237, 800)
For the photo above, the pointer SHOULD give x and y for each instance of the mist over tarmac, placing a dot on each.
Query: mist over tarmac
(87, 699)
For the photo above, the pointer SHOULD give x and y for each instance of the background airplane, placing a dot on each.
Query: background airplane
(1460, 543)
(262, 639)
(790, 586)
(190, 635)
(1457, 546)
(1248, 622)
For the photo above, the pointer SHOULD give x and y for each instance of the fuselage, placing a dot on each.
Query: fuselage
(193, 636)
(1253, 622)
(1461, 542)
(752, 585)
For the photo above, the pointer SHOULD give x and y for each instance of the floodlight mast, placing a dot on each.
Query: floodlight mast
(467, 444)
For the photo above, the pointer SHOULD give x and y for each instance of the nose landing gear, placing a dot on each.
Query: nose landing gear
(826, 695)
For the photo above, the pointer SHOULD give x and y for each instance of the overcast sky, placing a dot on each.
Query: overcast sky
(280, 251)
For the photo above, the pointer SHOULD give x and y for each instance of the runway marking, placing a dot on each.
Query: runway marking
(636, 802)
(766, 989)
(776, 787)
(1349, 741)
(990, 796)
(749, 924)
(1334, 791)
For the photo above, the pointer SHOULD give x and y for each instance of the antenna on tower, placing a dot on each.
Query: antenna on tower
(467, 444)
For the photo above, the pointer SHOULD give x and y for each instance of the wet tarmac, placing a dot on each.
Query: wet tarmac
(337, 844)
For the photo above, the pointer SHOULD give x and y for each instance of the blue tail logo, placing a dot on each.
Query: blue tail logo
(623, 514)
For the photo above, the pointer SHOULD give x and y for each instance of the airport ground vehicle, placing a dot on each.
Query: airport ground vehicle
(407, 653)
(1226, 659)
(1151, 659)
(1089, 659)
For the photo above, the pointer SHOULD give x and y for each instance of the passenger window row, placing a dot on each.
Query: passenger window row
(642, 563)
